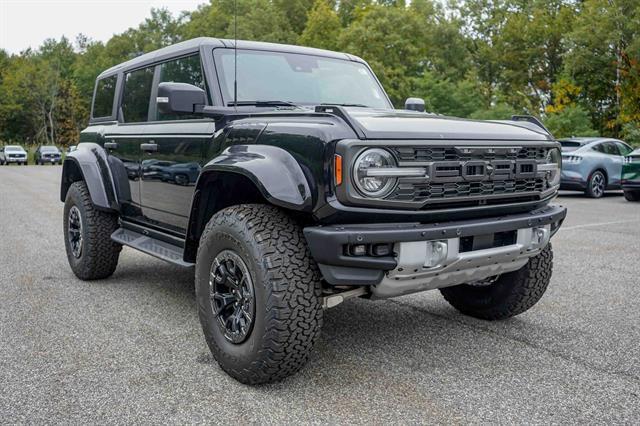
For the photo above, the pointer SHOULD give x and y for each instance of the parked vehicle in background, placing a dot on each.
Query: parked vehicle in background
(71, 148)
(592, 165)
(631, 176)
(306, 189)
(13, 154)
(47, 154)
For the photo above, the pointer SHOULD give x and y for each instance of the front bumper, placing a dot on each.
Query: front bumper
(16, 159)
(404, 272)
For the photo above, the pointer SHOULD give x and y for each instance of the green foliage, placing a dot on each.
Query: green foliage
(499, 111)
(571, 121)
(574, 63)
(323, 27)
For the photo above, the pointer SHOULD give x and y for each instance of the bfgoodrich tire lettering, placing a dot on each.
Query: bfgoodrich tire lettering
(511, 294)
(98, 257)
(288, 312)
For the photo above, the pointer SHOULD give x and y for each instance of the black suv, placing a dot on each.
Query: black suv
(302, 187)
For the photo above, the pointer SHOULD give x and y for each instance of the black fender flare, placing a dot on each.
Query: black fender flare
(90, 163)
(274, 171)
(275, 174)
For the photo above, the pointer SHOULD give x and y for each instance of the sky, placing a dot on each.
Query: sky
(27, 23)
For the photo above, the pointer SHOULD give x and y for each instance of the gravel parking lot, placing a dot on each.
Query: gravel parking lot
(129, 349)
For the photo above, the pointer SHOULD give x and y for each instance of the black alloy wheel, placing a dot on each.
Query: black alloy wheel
(232, 296)
(74, 232)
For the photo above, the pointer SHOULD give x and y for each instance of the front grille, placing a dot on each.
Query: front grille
(469, 176)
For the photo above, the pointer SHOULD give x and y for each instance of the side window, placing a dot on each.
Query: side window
(137, 91)
(103, 98)
(599, 148)
(182, 70)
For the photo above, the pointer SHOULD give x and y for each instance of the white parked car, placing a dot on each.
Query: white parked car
(13, 154)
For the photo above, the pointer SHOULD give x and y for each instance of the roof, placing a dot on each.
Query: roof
(193, 45)
(587, 140)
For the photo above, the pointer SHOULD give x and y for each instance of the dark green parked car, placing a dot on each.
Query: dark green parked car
(631, 176)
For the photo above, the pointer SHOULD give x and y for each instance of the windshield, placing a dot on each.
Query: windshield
(296, 78)
(13, 148)
(49, 149)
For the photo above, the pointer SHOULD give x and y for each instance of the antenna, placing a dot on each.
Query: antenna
(235, 54)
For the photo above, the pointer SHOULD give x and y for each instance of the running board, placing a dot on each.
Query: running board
(160, 249)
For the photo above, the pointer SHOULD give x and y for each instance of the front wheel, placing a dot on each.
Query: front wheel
(91, 253)
(511, 294)
(258, 293)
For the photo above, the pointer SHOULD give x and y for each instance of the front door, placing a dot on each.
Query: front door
(123, 140)
(172, 161)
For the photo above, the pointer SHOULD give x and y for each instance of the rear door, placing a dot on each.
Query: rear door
(171, 168)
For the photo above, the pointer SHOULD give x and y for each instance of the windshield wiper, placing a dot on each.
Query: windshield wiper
(346, 105)
(262, 103)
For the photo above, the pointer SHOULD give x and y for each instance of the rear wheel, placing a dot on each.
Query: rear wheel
(91, 252)
(596, 185)
(632, 195)
(511, 294)
(258, 293)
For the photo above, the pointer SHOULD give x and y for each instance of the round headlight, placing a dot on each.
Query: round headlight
(554, 157)
(368, 182)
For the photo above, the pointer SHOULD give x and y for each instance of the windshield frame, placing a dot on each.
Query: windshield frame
(220, 76)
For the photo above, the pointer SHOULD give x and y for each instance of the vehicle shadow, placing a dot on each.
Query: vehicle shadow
(361, 341)
(577, 194)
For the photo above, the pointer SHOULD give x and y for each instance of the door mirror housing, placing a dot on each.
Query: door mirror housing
(180, 98)
(414, 104)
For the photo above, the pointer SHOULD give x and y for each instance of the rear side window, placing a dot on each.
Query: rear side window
(103, 99)
(182, 70)
(137, 92)
(599, 148)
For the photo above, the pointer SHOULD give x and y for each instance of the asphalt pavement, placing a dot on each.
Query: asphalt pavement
(129, 349)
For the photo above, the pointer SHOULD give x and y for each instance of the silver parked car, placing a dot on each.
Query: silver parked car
(592, 165)
(13, 154)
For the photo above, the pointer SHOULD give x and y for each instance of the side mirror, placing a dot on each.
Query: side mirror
(179, 98)
(414, 104)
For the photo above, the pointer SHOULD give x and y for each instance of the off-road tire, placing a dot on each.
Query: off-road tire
(287, 292)
(632, 195)
(590, 192)
(511, 294)
(99, 256)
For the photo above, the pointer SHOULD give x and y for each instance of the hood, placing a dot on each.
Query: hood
(399, 124)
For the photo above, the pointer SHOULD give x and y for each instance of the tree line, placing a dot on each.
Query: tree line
(573, 63)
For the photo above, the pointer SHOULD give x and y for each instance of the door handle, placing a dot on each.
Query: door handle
(149, 147)
(111, 145)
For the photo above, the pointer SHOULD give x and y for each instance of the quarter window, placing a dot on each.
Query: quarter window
(624, 148)
(137, 92)
(103, 99)
(182, 70)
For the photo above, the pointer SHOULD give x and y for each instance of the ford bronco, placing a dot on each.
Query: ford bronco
(287, 179)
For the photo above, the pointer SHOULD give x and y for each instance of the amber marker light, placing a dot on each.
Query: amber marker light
(337, 167)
